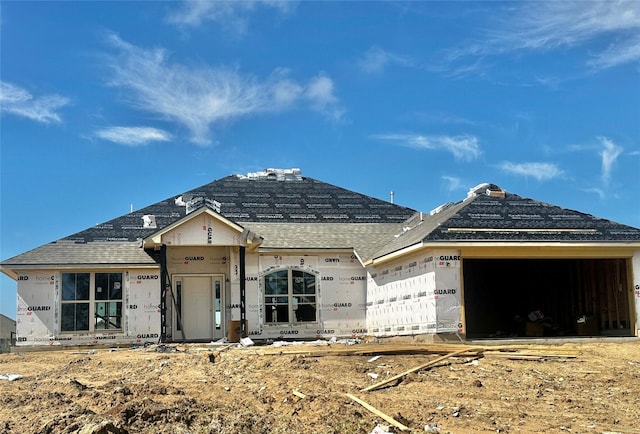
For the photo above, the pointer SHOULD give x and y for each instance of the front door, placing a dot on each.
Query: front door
(199, 301)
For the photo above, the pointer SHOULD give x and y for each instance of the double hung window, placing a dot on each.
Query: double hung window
(91, 302)
(290, 296)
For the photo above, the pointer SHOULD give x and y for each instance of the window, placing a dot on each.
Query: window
(91, 295)
(75, 302)
(290, 296)
(108, 310)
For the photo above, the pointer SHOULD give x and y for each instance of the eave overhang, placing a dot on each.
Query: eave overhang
(504, 249)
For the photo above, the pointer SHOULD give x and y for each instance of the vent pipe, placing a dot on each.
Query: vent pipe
(392, 194)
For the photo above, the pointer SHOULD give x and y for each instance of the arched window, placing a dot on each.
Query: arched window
(290, 296)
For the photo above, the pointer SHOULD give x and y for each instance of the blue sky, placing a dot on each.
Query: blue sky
(108, 105)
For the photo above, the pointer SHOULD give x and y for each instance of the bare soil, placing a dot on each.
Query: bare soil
(582, 386)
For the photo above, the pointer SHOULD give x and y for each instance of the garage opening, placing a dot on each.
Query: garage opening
(547, 297)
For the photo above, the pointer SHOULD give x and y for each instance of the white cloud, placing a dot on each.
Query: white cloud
(463, 147)
(618, 53)
(375, 60)
(18, 101)
(321, 94)
(539, 171)
(609, 154)
(550, 25)
(452, 183)
(133, 136)
(231, 15)
(601, 194)
(201, 98)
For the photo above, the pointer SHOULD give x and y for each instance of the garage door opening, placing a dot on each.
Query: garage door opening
(547, 297)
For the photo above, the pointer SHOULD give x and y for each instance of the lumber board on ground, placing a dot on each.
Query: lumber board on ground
(377, 412)
(364, 349)
(417, 368)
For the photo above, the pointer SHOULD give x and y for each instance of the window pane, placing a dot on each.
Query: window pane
(306, 312)
(74, 317)
(277, 283)
(108, 315)
(82, 288)
(100, 316)
(115, 286)
(67, 317)
(108, 286)
(277, 300)
(102, 286)
(82, 316)
(68, 287)
(75, 286)
(277, 313)
(303, 283)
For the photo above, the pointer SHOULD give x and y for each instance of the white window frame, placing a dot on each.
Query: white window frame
(92, 301)
(294, 300)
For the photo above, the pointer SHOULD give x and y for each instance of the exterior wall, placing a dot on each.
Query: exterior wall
(38, 310)
(417, 294)
(341, 295)
(636, 287)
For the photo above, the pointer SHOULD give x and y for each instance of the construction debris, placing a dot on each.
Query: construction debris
(10, 377)
(417, 368)
(377, 412)
(298, 394)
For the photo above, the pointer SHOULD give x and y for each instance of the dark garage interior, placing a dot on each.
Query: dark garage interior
(547, 297)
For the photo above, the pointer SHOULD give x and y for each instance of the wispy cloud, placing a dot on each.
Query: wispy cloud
(133, 136)
(546, 26)
(463, 147)
(609, 154)
(18, 101)
(201, 98)
(233, 16)
(598, 191)
(539, 171)
(452, 183)
(376, 59)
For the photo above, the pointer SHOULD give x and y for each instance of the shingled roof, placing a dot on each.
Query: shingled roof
(257, 199)
(290, 211)
(490, 214)
(285, 208)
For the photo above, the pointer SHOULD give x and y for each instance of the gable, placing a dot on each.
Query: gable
(202, 228)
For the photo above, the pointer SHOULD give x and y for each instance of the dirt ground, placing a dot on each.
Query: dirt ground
(582, 386)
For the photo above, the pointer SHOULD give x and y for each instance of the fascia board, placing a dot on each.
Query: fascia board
(520, 249)
(306, 250)
(11, 273)
(393, 255)
(541, 250)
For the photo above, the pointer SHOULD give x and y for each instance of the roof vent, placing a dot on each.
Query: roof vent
(487, 189)
(477, 190)
(149, 221)
(495, 191)
(275, 175)
(199, 202)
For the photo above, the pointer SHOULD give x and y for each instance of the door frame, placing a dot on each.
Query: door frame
(217, 305)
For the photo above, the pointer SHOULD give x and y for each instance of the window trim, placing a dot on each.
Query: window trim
(92, 301)
(290, 295)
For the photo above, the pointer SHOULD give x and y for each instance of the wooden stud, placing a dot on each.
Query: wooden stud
(417, 368)
(377, 412)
